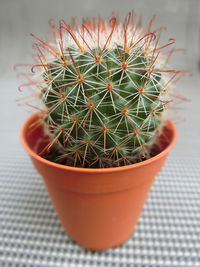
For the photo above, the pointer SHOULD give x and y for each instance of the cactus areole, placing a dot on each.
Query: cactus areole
(105, 87)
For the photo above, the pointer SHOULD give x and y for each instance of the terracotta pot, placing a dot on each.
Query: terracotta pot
(98, 208)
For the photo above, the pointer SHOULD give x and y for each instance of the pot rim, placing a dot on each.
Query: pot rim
(33, 154)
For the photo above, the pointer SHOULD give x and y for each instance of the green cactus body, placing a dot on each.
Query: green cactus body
(105, 93)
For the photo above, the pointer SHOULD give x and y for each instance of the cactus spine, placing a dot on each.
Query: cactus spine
(105, 88)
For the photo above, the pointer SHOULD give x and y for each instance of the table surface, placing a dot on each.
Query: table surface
(168, 232)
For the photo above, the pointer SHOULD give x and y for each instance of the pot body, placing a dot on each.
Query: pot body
(98, 208)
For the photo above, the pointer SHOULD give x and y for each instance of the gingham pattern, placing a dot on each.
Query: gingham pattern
(168, 232)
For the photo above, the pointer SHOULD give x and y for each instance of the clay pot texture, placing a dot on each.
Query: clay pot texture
(98, 208)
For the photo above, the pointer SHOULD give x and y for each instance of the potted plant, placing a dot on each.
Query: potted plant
(101, 133)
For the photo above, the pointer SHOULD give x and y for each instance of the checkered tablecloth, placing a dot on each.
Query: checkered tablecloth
(168, 232)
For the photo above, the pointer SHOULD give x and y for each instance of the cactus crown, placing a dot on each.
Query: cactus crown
(105, 87)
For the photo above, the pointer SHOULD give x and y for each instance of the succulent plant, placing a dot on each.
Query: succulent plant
(105, 87)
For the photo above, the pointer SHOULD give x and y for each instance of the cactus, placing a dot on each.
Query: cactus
(105, 87)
